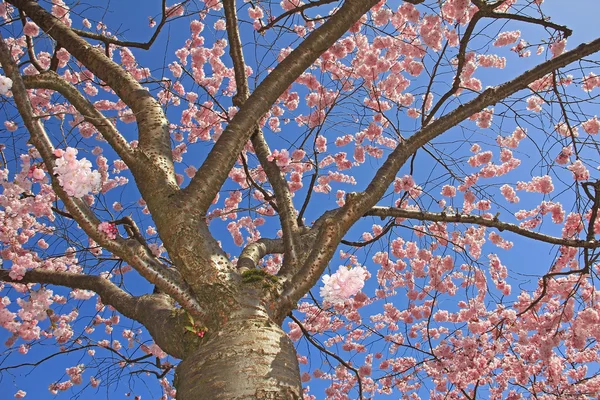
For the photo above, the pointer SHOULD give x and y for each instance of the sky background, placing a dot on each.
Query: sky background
(580, 15)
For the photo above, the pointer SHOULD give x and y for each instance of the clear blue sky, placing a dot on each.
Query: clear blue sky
(580, 15)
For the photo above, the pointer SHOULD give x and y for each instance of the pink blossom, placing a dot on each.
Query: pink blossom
(590, 82)
(290, 4)
(564, 155)
(343, 284)
(31, 29)
(76, 176)
(539, 184)
(448, 191)
(431, 31)
(506, 38)
(281, 158)
(557, 48)
(484, 118)
(321, 144)
(255, 12)
(220, 25)
(5, 84)
(11, 126)
(534, 103)
(591, 126)
(509, 193)
(580, 172)
(109, 229)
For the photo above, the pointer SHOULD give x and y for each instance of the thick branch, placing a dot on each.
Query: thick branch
(216, 167)
(254, 252)
(152, 124)
(283, 196)
(130, 250)
(478, 220)
(111, 294)
(156, 312)
(357, 206)
(51, 80)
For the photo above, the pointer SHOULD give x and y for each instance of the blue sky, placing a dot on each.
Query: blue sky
(135, 27)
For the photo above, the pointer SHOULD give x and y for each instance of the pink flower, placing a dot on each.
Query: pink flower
(321, 144)
(38, 174)
(591, 126)
(590, 82)
(563, 156)
(448, 191)
(11, 126)
(509, 193)
(343, 284)
(506, 38)
(76, 176)
(220, 25)
(109, 229)
(580, 172)
(290, 4)
(31, 29)
(255, 13)
(557, 48)
(5, 84)
(281, 158)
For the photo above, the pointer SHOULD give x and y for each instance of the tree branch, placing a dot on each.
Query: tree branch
(152, 124)
(293, 11)
(341, 219)
(215, 169)
(130, 250)
(283, 196)
(254, 252)
(156, 311)
(51, 80)
(125, 43)
(477, 220)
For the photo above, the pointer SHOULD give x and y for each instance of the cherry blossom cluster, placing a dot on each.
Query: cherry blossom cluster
(5, 84)
(76, 176)
(342, 284)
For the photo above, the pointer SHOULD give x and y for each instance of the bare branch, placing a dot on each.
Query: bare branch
(536, 21)
(125, 43)
(293, 11)
(478, 220)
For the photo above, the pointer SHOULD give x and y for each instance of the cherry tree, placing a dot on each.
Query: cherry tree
(300, 199)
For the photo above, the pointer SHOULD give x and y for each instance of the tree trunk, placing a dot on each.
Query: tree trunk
(250, 358)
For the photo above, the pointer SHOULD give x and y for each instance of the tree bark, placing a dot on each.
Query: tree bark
(249, 358)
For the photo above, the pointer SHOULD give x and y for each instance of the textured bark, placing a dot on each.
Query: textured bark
(250, 358)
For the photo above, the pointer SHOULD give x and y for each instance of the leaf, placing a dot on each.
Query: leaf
(191, 329)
